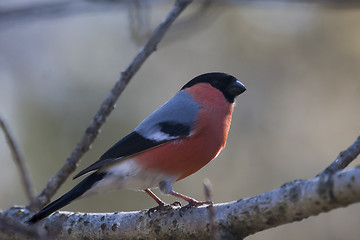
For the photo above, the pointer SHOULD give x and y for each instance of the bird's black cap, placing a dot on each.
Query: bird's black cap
(226, 83)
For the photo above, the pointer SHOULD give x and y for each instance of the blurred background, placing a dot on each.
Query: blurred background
(300, 63)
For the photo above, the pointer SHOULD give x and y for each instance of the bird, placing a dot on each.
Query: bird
(173, 142)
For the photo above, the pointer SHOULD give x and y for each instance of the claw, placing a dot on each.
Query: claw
(194, 203)
(176, 204)
(163, 206)
(160, 207)
(155, 209)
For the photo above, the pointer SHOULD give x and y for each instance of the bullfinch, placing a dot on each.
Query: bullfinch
(175, 141)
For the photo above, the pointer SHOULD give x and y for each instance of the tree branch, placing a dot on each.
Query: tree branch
(107, 106)
(291, 202)
(20, 163)
(12, 228)
(344, 158)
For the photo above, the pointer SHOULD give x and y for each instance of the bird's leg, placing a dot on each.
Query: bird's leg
(156, 198)
(162, 204)
(192, 202)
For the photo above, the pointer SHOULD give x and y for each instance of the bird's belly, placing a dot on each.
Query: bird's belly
(128, 174)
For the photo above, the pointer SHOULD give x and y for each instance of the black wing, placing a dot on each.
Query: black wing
(135, 143)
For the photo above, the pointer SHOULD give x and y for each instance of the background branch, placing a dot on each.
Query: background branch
(107, 106)
(24, 13)
(139, 20)
(19, 161)
(50, 9)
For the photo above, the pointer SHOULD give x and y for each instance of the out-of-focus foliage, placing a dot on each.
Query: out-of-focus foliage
(300, 64)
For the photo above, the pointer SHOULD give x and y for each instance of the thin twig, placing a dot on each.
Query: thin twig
(344, 158)
(24, 174)
(107, 106)
(208, 196)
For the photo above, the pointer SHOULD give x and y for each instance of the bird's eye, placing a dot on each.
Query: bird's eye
(216, 84)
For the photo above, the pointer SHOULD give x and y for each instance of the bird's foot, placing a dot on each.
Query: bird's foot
(176, 204)
(158, 208)
(163, 207)
(193, 203)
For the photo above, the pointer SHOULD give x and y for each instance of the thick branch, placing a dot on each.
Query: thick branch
(107, 106)
(13, 229)
(291, 202)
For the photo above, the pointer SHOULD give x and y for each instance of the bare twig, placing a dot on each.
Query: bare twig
(208, 196)
(107, 106)
(344, 158)
(24, 174)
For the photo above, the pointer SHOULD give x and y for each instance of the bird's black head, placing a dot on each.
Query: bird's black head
(226, 83)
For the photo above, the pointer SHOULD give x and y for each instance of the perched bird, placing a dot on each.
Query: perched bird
(172, 143)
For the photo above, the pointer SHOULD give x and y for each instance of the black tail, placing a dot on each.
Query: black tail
(68, 197)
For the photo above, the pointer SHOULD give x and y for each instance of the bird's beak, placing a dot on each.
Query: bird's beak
(236, 88)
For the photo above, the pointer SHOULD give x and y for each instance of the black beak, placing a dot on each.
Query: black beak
(236, 88)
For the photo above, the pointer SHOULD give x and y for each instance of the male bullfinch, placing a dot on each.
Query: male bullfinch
(175, 141)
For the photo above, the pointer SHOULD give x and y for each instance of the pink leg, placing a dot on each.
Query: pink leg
(162, 205)
(156, 198)
(192, 202)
